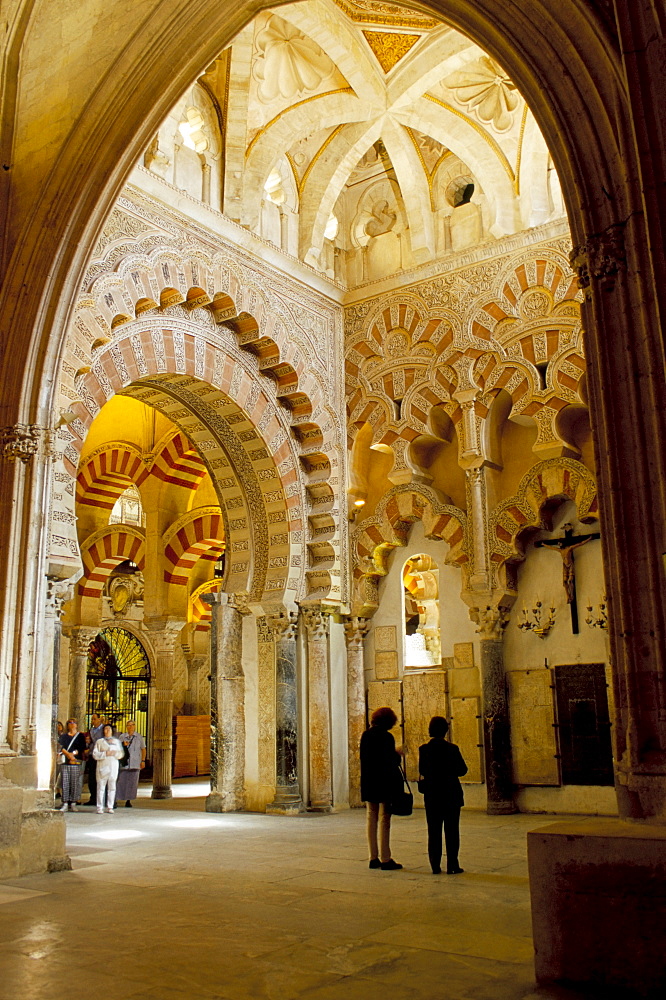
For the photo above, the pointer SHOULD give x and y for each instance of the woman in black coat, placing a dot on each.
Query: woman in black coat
(440, 767)
(381, 780)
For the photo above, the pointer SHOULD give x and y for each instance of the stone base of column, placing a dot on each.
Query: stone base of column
(285, 804)
(598, 913)
(34, 834)
(161, 793)
(216, 802)
(323, 808)
(501, 808)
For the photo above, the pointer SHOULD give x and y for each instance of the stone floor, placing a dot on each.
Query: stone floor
(168, 902)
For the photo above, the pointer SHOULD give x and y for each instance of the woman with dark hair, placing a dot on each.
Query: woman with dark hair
(381, 781)
(440, 767)
(72, 752)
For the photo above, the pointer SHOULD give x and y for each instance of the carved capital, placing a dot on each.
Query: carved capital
(80, 637)
(20, 441)
(283, 624)
(356, 630)
(316, 622)
(600, 259)
(164, 634)
(58, 592)
(490, 621)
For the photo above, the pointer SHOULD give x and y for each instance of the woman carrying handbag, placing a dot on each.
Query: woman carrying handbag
(73, 750)
(381, 784)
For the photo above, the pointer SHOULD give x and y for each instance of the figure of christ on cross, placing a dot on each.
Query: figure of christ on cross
(566, 548)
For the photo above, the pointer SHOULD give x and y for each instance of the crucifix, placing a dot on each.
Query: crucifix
(566, 548)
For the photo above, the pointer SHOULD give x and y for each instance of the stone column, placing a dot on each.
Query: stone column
(496, 728)
(227, 706)
(355, 632)
(58, 592)
(319, 710)
(164, 635)
(80, 637)
(287, 800)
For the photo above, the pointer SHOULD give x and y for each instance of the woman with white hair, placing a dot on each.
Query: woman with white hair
(128, 778)
(107, 752)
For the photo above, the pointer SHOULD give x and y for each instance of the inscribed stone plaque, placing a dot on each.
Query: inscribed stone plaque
(389, 693)
(533, 744)
(463, 654)
(386, 665)
(386, 637)
(424, 695)
(466, 732)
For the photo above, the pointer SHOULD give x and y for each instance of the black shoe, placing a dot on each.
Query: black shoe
(437, 871)
(374, 863)
(390, 866)
(455, 871)
(128, 805)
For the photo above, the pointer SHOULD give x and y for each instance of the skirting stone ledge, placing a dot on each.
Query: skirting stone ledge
(598, 890)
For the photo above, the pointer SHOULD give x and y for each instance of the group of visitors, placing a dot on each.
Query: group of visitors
(382, 781)
(103, 749)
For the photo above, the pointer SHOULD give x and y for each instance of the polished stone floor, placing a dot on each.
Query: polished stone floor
(166, 902)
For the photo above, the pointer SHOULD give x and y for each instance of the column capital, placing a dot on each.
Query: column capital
(20, 441)
(58, 592)
(490, 621)
(164, 633)
(283, 624)
(80, 637)
(601, 257)
(218, 598)
(356, 630)
(316, 621)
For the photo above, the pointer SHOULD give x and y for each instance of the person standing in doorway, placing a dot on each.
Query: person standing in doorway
(440, 768)
(94, 733)
(381, 781)
(73, 751)
(128, 777)
(107, 752)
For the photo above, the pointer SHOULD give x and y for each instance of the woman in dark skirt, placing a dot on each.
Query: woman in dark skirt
(73, 748)
(381, 781)
(441, 766)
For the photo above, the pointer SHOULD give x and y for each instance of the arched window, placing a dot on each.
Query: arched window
(128, 508)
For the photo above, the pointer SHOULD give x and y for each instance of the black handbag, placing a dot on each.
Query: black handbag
(125, 759)
(403, 802)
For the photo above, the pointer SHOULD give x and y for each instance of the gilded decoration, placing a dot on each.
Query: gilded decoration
(389, 47)
(387, 14)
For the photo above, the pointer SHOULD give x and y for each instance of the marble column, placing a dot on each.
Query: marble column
(194, 668)
(164, 635)
(80, 637)
(287, 799)
(58, 592)
(319, 711)
(227, 706)
(496, 726)
(355, 632)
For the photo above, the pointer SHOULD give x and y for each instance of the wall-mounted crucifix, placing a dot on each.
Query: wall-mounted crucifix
(566, 547)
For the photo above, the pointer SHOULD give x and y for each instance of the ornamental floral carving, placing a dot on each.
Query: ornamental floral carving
(20, 441)
(484, 87)
(288, 63)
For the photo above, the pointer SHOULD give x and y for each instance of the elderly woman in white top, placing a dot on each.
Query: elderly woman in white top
(107, 752)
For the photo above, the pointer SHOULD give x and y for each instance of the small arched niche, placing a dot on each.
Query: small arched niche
(421, 633)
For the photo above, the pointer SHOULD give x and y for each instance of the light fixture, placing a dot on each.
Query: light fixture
(598, 618)
(359, 503)
(535, 623)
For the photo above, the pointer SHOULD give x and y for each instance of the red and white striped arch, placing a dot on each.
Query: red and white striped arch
(104, 550)
(197, 535)
(107, 473)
